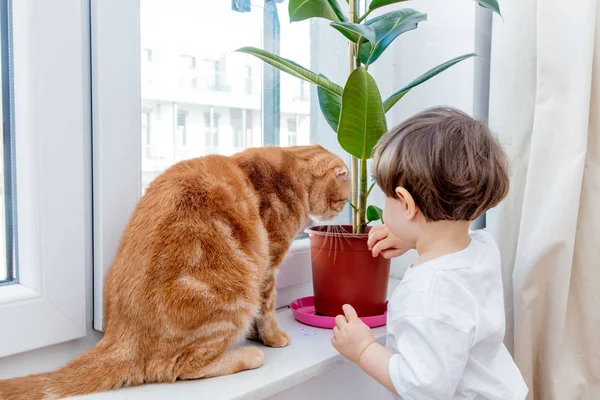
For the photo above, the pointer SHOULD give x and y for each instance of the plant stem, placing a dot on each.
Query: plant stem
(360, 40)
(361, 19)
(354, 177)
(359, 176)
(362, 201)
(353, 161)
(353, 206)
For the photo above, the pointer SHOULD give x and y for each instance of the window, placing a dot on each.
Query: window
(50, 155)
(249, 127)
(187, 62)
(146, 55)
(147, 136)
(187, 72)
(125, 82)
(239, 102)
(211, 132)
(238, 121)
(223, 123)
(181, 139)
(219, 76)
(215, 75)
(292, 129)
(146, 128)
(303, 91)
(148, 68)
(7, 265)
(248, 80)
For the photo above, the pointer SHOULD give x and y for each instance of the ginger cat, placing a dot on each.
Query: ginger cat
(195, 271)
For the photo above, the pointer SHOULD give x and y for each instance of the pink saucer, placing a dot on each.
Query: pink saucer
(304, 311)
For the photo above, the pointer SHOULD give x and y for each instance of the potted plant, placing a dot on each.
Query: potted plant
(343, 269)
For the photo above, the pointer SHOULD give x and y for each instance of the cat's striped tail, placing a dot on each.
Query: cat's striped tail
(100, 369)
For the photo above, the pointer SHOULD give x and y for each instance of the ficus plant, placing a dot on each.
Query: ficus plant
(356, 112)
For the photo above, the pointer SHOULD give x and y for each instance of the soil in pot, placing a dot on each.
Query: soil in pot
(345, 272)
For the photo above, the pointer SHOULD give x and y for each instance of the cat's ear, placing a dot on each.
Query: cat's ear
(341, 173)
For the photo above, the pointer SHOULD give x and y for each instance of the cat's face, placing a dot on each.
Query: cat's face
(330, 189)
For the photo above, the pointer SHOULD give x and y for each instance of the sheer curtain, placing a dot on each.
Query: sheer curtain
(545, 106)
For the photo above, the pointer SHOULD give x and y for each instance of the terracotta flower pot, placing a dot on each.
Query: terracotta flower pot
(345, 272)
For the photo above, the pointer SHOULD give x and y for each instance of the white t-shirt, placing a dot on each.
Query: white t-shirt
(446, 326)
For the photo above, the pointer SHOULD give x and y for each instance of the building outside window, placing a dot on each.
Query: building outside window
(187, 70)
(237, 125)
(292, 129)
(248, 80)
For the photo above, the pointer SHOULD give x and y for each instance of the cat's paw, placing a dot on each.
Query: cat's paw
(278, 338)
(253, 357)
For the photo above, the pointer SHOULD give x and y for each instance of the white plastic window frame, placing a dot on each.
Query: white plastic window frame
(116, 110)
(52, 131)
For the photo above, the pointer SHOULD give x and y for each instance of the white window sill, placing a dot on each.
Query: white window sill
(309, 355)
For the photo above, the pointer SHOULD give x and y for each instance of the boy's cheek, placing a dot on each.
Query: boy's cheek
(392, 208)
(388, 212)
(391, 220)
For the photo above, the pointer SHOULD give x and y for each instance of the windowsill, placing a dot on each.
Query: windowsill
(15, 292)
(309, 355)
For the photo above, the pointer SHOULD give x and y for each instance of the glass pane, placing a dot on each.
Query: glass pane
(200, 97)
(4, 273)
(7, 267)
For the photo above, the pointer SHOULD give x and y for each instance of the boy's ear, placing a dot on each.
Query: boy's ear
(410, 207)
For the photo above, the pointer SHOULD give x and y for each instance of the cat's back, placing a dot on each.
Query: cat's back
(194, 216)
(197, 184)
(194, 237)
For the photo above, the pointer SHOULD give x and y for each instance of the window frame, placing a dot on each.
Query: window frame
(117, 172)
(8, 148)
(51, 73)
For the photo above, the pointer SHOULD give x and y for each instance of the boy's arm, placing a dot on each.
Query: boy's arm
(375, 361)
(354, 340)
(431, 359)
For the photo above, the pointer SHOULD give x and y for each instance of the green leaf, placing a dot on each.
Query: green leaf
(381, 3)
(393, 99)
(490, 5)
(300, 10)
(285, 65)
(353, 31)
(337, 10)
(387, 28)
(362, 121)
(331, 107)
(374, 213)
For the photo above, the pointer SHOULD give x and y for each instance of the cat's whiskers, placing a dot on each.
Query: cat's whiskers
(333, 241)
(343, 232)
(321, 249)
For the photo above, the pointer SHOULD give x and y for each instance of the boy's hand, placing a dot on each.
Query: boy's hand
(382, 241)
(351, 336)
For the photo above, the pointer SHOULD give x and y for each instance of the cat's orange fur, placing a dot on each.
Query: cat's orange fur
(195, 271)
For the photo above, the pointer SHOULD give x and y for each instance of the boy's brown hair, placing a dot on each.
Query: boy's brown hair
(451, 164)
